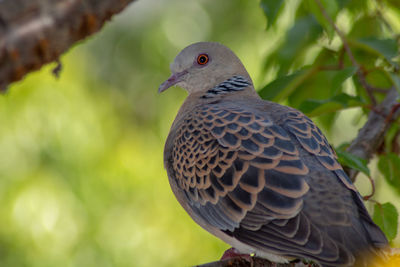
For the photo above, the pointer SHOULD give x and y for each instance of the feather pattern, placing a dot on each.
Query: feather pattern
(245, 174)
(236, 83)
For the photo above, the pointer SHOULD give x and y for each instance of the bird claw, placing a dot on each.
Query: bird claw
(234, 253)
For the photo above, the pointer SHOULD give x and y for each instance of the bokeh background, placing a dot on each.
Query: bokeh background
(81, 170)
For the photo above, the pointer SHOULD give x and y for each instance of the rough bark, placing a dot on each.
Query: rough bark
(36, 32)
(255, 262)
(371, 135)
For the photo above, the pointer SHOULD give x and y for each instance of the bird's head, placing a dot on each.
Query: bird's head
(203, 65)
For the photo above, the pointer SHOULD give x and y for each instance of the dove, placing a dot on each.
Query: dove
(260, 176)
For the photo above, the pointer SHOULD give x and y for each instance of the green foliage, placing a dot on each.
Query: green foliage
(303, 33)
(332, 9)
(271, 9)
(388, 48)
(386, 216)
(377, 54)
(341, 76)
(389, 165)
(338, 102)
(352, 161)
(283, 86)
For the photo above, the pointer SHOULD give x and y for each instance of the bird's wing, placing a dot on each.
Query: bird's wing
(229, 162)
(313, 141)
(348, 204)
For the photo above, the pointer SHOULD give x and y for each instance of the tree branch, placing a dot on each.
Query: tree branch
(256, 262)
(36, 32)
(372, 134)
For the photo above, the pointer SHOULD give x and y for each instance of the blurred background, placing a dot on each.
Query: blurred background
(82, 181)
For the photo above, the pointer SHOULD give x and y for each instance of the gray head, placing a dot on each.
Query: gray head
(203, 65)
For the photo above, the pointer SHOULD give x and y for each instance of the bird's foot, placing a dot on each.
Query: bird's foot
(234, 253)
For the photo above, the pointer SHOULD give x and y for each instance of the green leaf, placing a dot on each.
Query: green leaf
(316, 86)
(338, 102)
(366, 26)
(327, 120)
(282, 86)
(389, 166)
(352, 161)
(386, 216)
(326, 57)
(388, 48)
(271, 9)
(302, 35)
(320, 85)
(331, 8)
(342, 3)
(379, 78)
(390, 136)
(341, 76)
(357, 7)
(394, 3)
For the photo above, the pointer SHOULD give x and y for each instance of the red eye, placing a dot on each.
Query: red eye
(202, 59)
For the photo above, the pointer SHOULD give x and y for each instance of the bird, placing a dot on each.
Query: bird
(258, 175)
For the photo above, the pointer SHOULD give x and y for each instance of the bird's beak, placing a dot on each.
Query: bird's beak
(172, 80)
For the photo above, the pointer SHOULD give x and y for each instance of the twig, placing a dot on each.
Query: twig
(393, 111)
(379, 90)
(372, 134)
(381, 17)
(367, 197)
(256, 262)
(57, 69)
(360, 71)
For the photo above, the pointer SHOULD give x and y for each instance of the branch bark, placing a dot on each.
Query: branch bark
(256, 262)
(371, 135)
(36, 32)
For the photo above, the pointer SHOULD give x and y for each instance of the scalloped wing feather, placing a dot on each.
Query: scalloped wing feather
(244, 174)
(227, 160)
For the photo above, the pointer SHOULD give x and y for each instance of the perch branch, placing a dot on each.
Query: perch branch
(36, 32)
(256, 262)
(372, 134)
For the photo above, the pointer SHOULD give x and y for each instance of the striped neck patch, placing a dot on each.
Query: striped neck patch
(236, 83)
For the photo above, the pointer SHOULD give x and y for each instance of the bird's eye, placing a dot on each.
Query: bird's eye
(202, 59)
